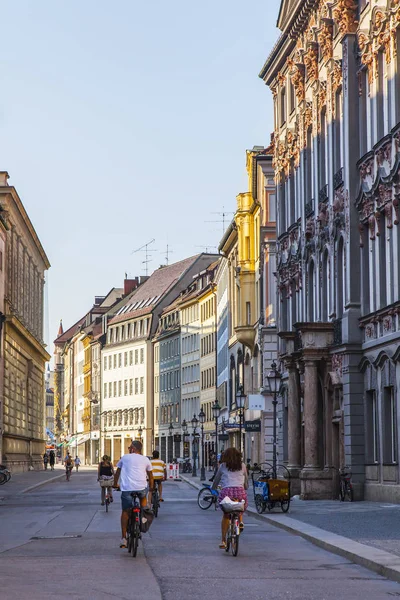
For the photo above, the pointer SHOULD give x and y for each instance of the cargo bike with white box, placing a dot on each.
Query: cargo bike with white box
(271, 487)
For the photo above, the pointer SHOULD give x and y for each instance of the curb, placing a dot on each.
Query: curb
(37, 485)
(379, 561)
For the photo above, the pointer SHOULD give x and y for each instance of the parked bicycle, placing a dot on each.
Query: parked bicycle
(5, 475)
(207, 497)
(187, 466)
(345, 485)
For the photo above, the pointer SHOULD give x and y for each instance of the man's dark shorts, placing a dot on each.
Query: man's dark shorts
(127, 499)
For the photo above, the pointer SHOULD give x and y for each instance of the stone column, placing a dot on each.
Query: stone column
(310, 414)
(294, 425)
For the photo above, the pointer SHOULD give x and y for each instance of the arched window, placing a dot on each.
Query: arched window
(340, 279)
(325, 287)
(311, 292)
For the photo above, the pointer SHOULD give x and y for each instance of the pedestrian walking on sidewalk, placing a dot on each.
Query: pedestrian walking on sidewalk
(77, 462)
(45, 460)
(52, 459)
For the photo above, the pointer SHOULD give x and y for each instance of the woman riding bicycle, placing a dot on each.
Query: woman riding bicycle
(105, 471)
(233, 479)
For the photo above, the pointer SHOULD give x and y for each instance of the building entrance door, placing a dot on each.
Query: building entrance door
(117, 450)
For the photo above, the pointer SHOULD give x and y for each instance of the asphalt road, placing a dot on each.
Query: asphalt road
(76, 554)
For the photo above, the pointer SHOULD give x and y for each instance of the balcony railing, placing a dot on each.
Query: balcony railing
(323, 194)
(309, 208)
(338, 179)
(337, 332)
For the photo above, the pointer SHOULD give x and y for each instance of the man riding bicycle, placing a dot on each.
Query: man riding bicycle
(159, 471)
(132, 472)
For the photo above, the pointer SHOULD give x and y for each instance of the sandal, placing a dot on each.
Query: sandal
(223, 545)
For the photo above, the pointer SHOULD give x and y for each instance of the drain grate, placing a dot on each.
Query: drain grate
(54, 537)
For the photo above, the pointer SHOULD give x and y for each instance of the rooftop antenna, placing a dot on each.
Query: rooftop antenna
(167, 253)
(206, 249)
(224, 214)
(145, 248)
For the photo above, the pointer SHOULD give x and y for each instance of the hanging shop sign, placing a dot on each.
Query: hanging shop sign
(253, 426)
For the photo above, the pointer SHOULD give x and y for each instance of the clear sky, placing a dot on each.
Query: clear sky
(125, 121)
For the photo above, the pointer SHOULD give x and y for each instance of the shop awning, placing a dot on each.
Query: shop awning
(82, 439)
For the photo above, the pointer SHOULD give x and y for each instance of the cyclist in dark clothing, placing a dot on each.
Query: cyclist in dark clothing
(105, 471)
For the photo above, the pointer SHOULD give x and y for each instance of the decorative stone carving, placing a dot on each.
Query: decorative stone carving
(297, 71)
(280, 79)
(345, 15)
(310, 228)
(311, 61)
(369, 331)
(325, 39)
(336, 75)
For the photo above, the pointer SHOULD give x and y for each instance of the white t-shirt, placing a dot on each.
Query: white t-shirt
(134, 468)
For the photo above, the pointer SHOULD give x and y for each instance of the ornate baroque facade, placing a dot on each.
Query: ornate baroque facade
(24, 262)
(334, 74)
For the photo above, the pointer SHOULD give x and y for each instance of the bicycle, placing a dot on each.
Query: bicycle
(233, 535)
(206, 497)
(5, 475)
(68, 473)
(345, 485)
(133, 534)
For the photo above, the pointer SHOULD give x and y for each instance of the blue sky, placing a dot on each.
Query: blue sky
(127, 121)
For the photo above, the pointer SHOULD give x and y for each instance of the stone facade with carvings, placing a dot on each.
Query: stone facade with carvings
(23, 351)
(334, 76)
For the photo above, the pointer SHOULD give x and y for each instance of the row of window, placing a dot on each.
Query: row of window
(207, 310)
(168, 349)
(190, 314)
(113, 389)
(207, 344)
(114, 361)
(168, 414)
(167, 381)
(191, 373)
(190, 343)
(120, 418)
(208, 378)
(122, 333)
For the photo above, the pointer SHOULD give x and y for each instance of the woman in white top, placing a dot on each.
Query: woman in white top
(233, 478)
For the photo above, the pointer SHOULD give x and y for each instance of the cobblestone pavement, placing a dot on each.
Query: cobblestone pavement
(375, 524)
(67, 547)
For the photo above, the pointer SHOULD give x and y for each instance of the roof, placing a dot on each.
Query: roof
(69, 334)
(143, 300)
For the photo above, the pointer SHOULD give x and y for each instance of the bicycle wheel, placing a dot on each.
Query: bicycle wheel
(129, 534)
(234, 537)
(342, 492)
(205, 498)
(107, 503)
(3, 478)
(285, 505)
(349, 492)
(260, 506)
(155, 503)
(135, 537)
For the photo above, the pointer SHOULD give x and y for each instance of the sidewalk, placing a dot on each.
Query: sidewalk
(367, 533)
(21, 483)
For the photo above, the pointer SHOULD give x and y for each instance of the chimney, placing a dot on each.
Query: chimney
(4, 176)
(130, 285)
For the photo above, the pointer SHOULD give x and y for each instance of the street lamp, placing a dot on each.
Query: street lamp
(202, 419)
(171, 444)
(274, 378)
(216, 409)
(140, 431)
(240, 400)
(195, 422)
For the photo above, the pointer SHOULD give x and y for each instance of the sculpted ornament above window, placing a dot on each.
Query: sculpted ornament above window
(345, 13)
